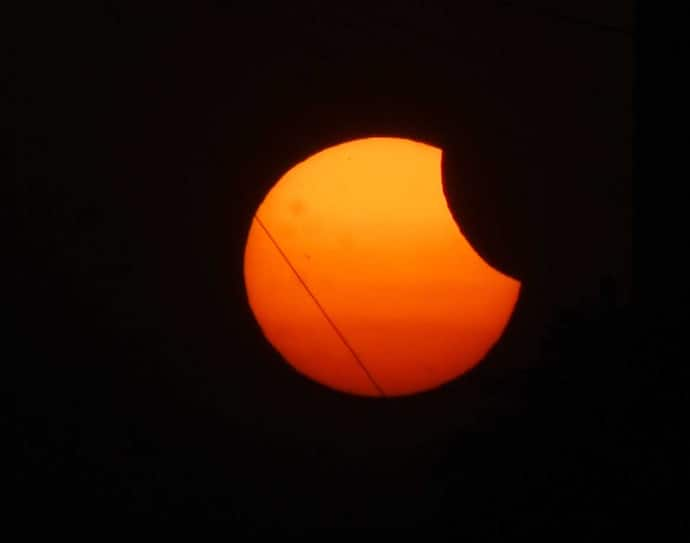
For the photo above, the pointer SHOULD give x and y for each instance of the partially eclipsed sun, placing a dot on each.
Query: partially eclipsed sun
(359, 277)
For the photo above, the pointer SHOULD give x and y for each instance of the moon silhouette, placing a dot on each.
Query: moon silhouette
(359, 277)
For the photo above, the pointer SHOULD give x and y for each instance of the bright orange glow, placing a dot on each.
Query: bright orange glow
(358, 275)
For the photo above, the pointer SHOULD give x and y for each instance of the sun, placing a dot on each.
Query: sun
(359, 277)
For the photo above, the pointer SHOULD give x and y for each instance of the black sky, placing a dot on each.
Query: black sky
(147, 137)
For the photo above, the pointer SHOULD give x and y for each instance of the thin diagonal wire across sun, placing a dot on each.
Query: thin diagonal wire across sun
(321, 308)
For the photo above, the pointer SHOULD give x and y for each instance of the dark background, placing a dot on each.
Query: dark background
(145, 140)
